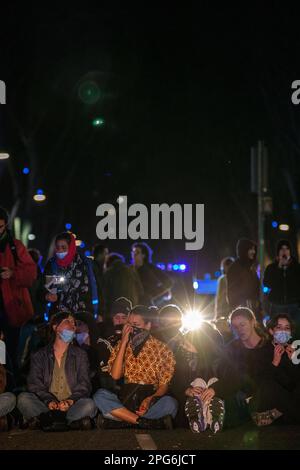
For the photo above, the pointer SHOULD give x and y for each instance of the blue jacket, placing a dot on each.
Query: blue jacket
(76, 369)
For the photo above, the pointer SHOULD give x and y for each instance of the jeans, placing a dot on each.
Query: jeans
(108, 401)
(31, 406)
(7, 403)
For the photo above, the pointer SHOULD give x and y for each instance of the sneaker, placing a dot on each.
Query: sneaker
(194, 412)
(215, 414)
(265, 418)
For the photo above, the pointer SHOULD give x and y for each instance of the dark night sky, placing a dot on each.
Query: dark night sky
(185, 93)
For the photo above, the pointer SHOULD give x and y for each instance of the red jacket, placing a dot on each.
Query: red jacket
(16, 299)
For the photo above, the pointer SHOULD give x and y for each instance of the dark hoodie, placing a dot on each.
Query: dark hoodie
(242, 279)
(284, 283)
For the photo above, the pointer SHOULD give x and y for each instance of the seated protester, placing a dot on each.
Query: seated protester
(147, 366)
(7, 399)
(169, 322)
(239, 364)
(70, 291)
(278, 376)
(196, 385)
(86, 336)
(59, 381)
(119, 313)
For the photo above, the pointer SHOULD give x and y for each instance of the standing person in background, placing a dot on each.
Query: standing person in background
(222, 308)
(17, 274)
(156, 283)
(72, 289)
(120, 280)
(243, 287)
(282, 277)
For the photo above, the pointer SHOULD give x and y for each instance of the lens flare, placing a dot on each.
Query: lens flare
(191, 321)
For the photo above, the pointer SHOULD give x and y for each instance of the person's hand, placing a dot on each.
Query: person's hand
(51, 297)
(290, 351)
(127, 329)
(208, 394)
(283, 261)
(65, 405)
(6, 273)
(144, 406)
(53, 405)
(194, 392)
(278, 351)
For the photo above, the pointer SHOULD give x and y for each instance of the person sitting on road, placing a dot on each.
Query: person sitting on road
(59, 380)
(119, 313)
(147, 366)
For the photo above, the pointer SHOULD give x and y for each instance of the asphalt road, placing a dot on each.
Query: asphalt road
(244, 437)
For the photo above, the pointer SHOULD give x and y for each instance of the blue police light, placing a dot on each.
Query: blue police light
(46, 318)
(68, 226)
(87, 253)
(26, 171)
(182, 267)
(266, 290)
(82, 245)
(217, 274)
(274, 224)
(95, 301)
(40, 192)
(175, 267)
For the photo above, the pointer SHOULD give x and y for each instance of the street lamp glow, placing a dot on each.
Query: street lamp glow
(31, 237)
(39, 197)
(4, 156)
(98, 122)
(284, 227)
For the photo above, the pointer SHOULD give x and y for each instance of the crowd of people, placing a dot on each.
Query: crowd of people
(89, 342)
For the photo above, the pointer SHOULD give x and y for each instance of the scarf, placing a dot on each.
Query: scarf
(139, 337)
(67, 260)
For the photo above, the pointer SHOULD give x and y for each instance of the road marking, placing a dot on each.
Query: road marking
(146, 442)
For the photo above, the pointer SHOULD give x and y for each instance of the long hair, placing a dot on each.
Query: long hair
(248, 314)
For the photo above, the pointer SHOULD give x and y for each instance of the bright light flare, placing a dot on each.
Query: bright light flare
(191, 321)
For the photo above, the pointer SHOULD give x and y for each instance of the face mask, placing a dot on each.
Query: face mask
(81, 338)
(138, 338)
(62, 255)
(136, 331)
(282, 337)
(67, 336)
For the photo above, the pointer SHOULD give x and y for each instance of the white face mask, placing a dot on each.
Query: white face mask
(62, 255)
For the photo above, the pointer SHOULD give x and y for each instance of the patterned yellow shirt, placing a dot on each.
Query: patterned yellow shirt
(154, 365)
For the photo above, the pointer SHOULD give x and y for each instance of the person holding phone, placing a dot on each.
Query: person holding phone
(282, 278)
(66, 278)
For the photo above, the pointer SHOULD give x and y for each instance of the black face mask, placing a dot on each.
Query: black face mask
(138, 337)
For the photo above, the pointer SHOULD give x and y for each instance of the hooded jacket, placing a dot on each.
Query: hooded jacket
(283, 282)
